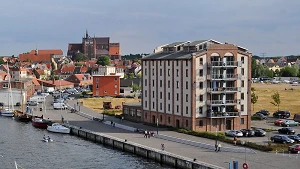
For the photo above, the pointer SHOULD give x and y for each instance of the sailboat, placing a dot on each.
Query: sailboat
(21, 115)
(9, 111)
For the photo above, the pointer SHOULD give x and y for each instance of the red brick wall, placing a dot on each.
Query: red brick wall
(106, 85)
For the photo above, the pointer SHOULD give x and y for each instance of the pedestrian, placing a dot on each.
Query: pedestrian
(111, 123)
(145, 136)
(219, 147)
(149, 133)
(235, 140)
(216, 147)
(114, 124)
(162, 147)
(122, 118)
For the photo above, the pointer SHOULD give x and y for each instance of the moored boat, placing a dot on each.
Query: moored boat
(7, 113)
(58, 128)
(21, 116)
(39, 122)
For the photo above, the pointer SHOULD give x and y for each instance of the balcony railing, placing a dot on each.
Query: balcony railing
(222, 77)
(223, 64)
(223, 89)
(223, 114)
(221, 102)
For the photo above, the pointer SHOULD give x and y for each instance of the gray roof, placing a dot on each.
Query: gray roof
(129, 82)
(195, 43)
(174, 44)
(171, 56)
(133, 104)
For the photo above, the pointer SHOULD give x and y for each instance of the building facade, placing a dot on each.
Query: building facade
(201, 86)
(106, 85)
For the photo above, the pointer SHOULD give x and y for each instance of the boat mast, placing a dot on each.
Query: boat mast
(22, 106)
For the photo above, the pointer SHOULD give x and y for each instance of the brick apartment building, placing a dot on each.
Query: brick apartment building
(201, 86)
(94, 47)
(106, 85)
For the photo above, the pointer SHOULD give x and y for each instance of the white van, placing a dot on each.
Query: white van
(59, 106)
(39, 99)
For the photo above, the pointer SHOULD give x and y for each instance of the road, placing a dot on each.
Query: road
(259, 160)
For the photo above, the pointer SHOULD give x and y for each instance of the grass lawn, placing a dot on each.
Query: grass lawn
(289, 98)
(96, 104)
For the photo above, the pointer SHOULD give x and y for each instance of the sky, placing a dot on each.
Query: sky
(261, 26)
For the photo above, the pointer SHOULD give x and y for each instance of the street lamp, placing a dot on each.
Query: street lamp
(157, 126)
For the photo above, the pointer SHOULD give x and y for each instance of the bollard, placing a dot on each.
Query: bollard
(235, 165)
(229, 165)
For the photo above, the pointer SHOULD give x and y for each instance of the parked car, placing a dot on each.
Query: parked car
(282, 114)
(264, 112)
(286, 130)
(31, 103)
(260, 115)
(294, 148)
(288, 123)
(18, 104)
(248, 132)
(281, 139)
(234, 133)
(259, 132)
(295, 138)
(279, 122)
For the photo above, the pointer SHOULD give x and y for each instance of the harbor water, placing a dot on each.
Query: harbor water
(22, 143)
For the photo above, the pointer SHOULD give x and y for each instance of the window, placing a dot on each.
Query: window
(201, 123)
(243, 83)
(152, 72)
(160, 95)
(168, 63)
(243, 71)
(145, 71)
(104, 91)
(187, 73)
(186, 63)
(153, 105)
(169, 119)
(176, 62)
(160, 118)
(242, 96)
(116, 86)
(152, 82)
(97, 80)
(201, 72)
(160, 105)
(146, 93)
(160, 72)
(214, 122)
(168, 72)
(201, 98)
(152, 63)
(177, 72)
(5, 85)
(187, 98)
(186, 110)
(169, 95)
(177, 84)
(97, 86)
(177, 108)
(152, 94)
(242, 121)
(169, 107)
(160, 63)
(201, 85)
(145, 82)
(243, 60)
(116, 92)
(169, 83)
(187, 123)
(160, 83)
(97, 93)
(146, 104)
(201, 59)
(200, 110)
(116, 79)
(177, 96)
(186, 85)
(242, 107)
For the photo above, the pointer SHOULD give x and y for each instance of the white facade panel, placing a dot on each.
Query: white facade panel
(146, 80)
(153, 86)
(177, 87)
(244, 79)
(169, 87)
(187, 89)
(161, 86)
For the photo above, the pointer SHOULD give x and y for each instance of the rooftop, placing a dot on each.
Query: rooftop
(135, 104)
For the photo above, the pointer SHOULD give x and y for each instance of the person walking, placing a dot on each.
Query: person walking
(162, 147)
(216, 147)
(235, 140)
(219, 147)
(145, 135)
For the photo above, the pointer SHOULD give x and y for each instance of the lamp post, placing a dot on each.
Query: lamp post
(244, 144)
(157, 126)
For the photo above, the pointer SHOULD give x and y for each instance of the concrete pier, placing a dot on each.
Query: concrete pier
(140, 150)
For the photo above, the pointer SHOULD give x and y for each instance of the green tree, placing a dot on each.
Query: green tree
(277, 73)
(289, 71)
(53, 66)
(78, 64)
(1, 61)
(276, 99)
(103, 60)
(253, 68)
(135, 87)
(129, 76)
(80, 57)
(254, 99)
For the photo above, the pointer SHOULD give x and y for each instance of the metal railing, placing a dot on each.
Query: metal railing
(223, 89)
(223, 114)
(223, 64)
(236, 101)
(221, 76)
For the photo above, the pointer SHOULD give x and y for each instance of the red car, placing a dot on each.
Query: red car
(295, 148)
(278, 122)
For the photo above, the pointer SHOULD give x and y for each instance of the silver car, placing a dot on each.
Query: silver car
(234, 133)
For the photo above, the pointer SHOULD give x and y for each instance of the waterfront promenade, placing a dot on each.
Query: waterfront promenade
(255, 160)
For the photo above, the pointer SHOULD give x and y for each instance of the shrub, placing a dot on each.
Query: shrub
(112, 112)
(256, 118)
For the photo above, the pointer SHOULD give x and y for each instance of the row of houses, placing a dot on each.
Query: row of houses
(278, 63)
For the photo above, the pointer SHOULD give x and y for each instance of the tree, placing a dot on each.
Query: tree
(103, 60)
(253, 68)
(289, 71)
(129, 76)
(80, 57)
(53, 66)
(135, 87)
(254, 99)
(276, 99)
(1, 61)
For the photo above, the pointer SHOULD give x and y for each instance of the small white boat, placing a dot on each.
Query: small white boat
(47, 140)
(7, 113)
(58, 128)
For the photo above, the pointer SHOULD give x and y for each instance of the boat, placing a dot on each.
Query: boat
(39, 122)
(21, 116)
(47, 140)
(58, 128)
(6, 112)
(9, 111)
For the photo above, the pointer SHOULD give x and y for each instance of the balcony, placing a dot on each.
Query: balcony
(223, 64)
(223, 90)
(223, 114)
(223, 77)
(223, 103)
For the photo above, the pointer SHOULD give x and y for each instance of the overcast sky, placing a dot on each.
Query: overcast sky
(262, 26)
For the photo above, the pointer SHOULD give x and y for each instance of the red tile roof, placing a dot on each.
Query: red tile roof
(35, 82)
(56, 82)
(35, 58)
(48, 52)
(3, 75)
(67, 69)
